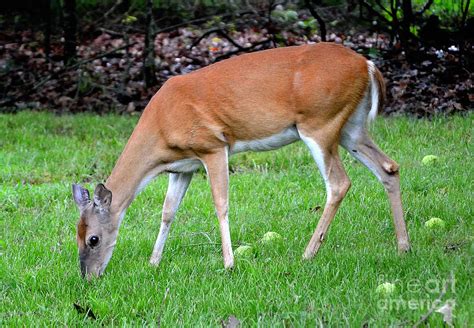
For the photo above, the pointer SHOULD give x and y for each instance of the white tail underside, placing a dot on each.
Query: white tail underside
(374, 92)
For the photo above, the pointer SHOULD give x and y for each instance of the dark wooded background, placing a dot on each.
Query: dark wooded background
(113, 55)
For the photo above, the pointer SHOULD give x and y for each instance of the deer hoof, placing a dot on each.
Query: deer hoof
(155, 261)
(404, 248)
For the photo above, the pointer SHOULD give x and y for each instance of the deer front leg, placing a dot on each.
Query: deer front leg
(217, 167)
(177, 186)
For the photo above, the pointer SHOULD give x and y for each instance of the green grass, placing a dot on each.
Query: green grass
(41, 155)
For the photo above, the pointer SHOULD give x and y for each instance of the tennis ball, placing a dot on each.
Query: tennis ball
(385, 289)
(244, 252)
(435, 223)
(429, 160)
(271, 237)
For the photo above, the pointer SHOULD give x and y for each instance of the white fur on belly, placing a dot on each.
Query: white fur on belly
(275, 141)
(184, 165)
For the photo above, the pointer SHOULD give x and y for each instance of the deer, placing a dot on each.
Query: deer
(322, 94)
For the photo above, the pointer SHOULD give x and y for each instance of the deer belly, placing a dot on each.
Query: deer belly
(184, 166)
(275, 141)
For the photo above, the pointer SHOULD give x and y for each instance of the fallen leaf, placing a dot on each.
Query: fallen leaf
(87, 311)
(447, 311)
(315, 209)
(231, 322)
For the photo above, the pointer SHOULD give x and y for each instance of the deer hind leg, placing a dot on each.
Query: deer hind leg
(177, 186)
(337, 185)
(358, 143)
(217, 167)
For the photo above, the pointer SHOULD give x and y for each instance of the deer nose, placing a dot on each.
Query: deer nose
(89, 273)
(83, 269)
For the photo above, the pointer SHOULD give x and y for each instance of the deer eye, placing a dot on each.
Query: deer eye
(93, 241)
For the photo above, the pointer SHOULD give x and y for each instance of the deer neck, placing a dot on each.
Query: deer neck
(138, 164)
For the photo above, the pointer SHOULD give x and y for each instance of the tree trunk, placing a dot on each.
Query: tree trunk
(464, 11)
(322, 24)
(149, 51)
(406, 23)
(70, 31)
(123, 6)
(47, 28)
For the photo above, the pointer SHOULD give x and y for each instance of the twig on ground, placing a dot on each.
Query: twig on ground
(425, 317)
(113, 33)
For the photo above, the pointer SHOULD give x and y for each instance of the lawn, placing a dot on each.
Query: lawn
(41, 155)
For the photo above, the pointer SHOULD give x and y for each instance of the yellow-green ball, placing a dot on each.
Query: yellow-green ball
(429, 160)
(244, 252)
(385, 289)
(271, 237)
(435, 223)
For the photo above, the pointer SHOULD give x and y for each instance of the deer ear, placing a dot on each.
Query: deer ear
(102, 197)
(81, 196)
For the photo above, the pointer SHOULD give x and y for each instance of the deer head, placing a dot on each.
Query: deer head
(97, 229)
